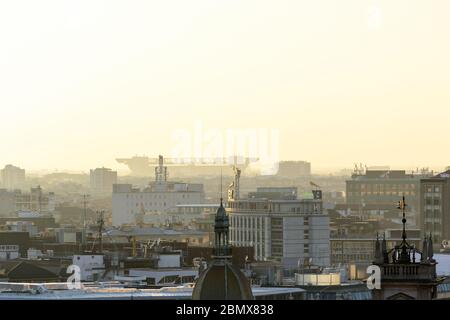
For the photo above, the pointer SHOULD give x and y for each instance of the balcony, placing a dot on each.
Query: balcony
(405, 272)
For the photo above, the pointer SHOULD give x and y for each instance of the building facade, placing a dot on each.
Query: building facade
(383, 187)
(35, 200)
(288, 230)
(294, 169)
(102, 181)
(12, 177)
(130, 204)
(7, 202)
(435, 207)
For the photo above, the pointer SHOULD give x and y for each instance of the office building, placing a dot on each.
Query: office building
(435, 207)
(280, 226)
(381, 188)
(130, 204)
(102, 181)
(12, 177)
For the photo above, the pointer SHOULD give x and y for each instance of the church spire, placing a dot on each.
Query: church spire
(404, 254)
(221, 230)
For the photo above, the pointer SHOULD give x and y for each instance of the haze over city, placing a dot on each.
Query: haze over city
(88, 81)
(224, 151)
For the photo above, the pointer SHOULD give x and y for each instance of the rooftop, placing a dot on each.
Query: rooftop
(112, 291)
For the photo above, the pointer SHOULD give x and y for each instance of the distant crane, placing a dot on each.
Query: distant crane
(314, 185)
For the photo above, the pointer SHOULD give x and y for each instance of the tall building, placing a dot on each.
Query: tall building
(160, 196)
(222, 280)
(435, 206)
(280, 226)
(102, 181)
(403, 275)
(381, 188)
(12, 177)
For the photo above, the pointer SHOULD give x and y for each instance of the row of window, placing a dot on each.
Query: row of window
(382, 193)
(156, 196)
(431, 189)
(384, 186)
(432, 201)
(148, 204)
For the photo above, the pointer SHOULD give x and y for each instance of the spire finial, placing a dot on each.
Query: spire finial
(402, 206)
(221, 185)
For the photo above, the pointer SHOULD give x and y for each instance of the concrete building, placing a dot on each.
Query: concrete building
(91, 266)
(129, 204)
(281, 228)
(102, 181)
(383, 187)
(435, 207)
(19, 239)
(7, 202)
(22, 226)
(294, 169)
(12, 177)
(33, 201)
(69, 235)
(9, 252)
(36, 200)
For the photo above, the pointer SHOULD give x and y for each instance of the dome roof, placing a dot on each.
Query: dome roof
(222, 281)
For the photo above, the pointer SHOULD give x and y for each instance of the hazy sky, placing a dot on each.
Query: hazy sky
(84, 82)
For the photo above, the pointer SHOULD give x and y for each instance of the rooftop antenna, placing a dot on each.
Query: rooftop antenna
(221, 185)
(85, 214)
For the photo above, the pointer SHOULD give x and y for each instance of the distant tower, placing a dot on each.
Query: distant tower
(161, 173)
(234, 188)
(222, 280)
(403, 276)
